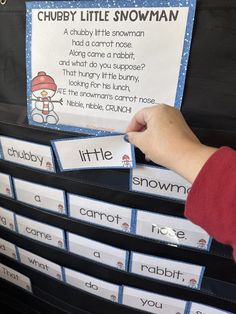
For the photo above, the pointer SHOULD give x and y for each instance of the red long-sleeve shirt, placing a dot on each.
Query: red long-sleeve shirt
(211, 202)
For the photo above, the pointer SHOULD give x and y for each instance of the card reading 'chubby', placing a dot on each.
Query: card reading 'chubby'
(197, 308)
(27, 154)
(101, 213)
(6, 185)
(184, 274)
(172, 230)
(41, 196)
(97, 251)
(152, 302)
(15, 277)
(158, 181)
(93, 285)
(94, 152)
(41, 264)
(41, 232)
(8, 249)
(7, 219)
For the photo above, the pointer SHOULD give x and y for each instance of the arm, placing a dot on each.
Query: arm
(162, 134)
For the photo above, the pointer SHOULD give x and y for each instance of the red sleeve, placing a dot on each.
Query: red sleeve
(211, 202)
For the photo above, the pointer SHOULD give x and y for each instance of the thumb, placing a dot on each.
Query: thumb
(136, 138)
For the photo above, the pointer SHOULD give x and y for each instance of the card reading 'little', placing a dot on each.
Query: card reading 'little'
(94, 152)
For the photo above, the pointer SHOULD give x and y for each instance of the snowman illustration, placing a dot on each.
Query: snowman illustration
(192, 283)
(125, 226)
(126, 161)
(43, 88)
(201, 244)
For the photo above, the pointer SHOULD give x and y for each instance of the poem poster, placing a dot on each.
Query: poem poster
(91, 65)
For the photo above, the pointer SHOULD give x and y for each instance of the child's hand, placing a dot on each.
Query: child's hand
(162, 134)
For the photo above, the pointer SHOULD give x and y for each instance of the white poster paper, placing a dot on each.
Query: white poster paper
(6, 185)
(172, 230)
(7, 219)
(41, 264)
(97, 251)
(28, 154)
(94, 152)
(15, 277)
(8, 249)
(40, 196)
(41, 232)
(167, 270)
(92, 285)
(101, 213)
(197, 308)
(152, 302)
(158, 181)
(109, 59)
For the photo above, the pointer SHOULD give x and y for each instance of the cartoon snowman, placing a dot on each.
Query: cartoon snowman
(43, 88)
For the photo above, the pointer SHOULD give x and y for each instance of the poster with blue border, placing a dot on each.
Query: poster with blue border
(91, 65)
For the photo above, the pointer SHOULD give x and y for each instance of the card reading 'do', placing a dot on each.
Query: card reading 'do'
(93, 285)
(94, 152)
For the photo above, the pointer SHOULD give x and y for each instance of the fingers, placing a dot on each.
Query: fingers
(137, 139)
(138, 122)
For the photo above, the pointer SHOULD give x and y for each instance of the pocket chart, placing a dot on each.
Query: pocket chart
(6, 185)
(40, 196)
(159, 181)
(7, 219)
(152, 302)
(94, 152)
(28, 154)
(93, 285)
(101, 213)
(167, 270)
(171, 229)
(8, 248)
(41, 264)
(41, 232)
(15, 277)
(98, 251)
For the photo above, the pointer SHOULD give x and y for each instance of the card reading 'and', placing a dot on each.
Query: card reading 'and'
(94, 152)
(109, 60)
